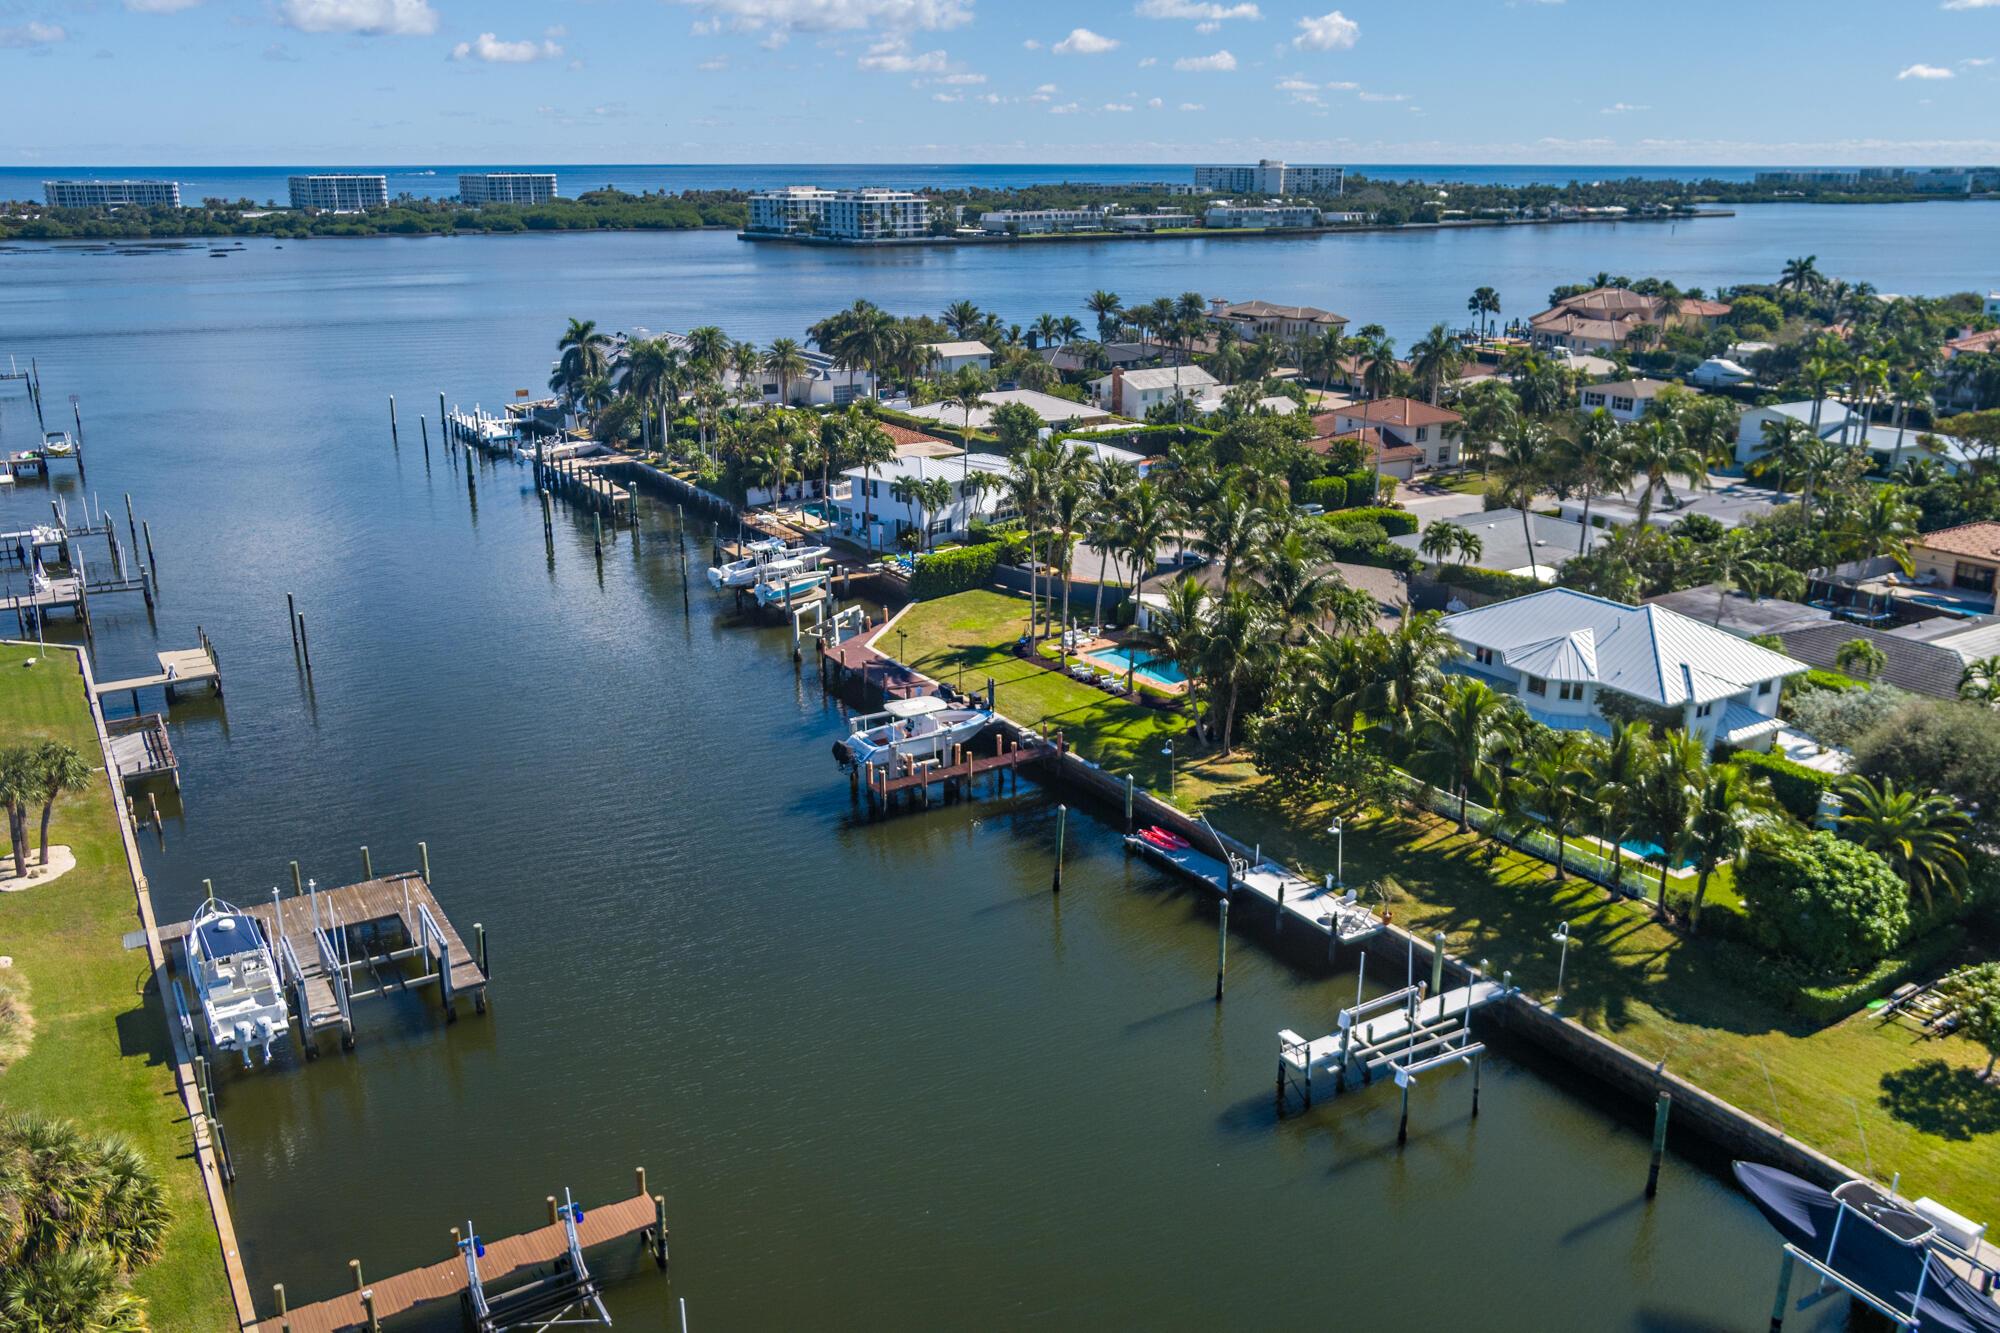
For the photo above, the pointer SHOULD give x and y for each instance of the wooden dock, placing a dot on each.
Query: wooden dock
(325, 941)
(642, 1216)
(1318, 906)
(909, 781)
(141, 749)
(179, 668)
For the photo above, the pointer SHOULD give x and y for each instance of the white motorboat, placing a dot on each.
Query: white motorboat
(58, 444)
(767, 559)
(925, 727)
(780, 586)
(236, 979)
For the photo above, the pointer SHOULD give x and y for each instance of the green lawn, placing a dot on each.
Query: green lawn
(100, 1053)
(1876, 1096)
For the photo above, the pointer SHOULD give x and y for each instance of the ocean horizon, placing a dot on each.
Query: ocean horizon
(264, 184)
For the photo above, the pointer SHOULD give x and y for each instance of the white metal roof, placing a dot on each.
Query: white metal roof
(1192, 378)
(1648, 652)
(960, 349)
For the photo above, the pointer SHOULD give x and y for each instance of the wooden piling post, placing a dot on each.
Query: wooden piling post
(1221, 946)
(1128, 803)
(444, 422)
(278, 1294)
(129, 525)
(479, 944)
(367, 865)
(297, 888)
(1403, 1126)
(660, 1231)
(552, 1209)
(354, 1267)
(1475, 1087)
(1062, 829)
(304, 647)
(151, 563)
(393, 440)
(597, 540)
(424, 860)
(1661, 1108)
(292, 619)
(368, 1305)
(1437, 966)
(1784, 1292)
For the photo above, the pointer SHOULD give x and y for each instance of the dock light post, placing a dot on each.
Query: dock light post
(1168, 751)
(1338, 829)
(903, 646)
(1562, 965)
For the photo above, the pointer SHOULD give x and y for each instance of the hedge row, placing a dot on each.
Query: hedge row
(1326, 492)
(1797, 787)
(1395, 522)
(1495, 583)
(946, 572)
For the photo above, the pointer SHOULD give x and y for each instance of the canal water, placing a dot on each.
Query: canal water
(884, 1078)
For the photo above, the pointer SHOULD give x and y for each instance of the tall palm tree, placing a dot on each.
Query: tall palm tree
(1183, 628)
(1619, 764)
(1596, 461)
(60, 768)
(1555, 787)
(1456, 732)
(1435, 359)
(962, 318)
(1800, 275)
(1670, 796)
(1105, 515)
(1520, 469)
(1031, 487)
(965, 389)
(1445, 541)
(1735, 803)
(1071, 467)
(1917, 833)
(1144, 522)
(1485, 301)
(1411, 668)
(787, 362)
(1106, 307)
(582, 354)
(867, 446)
(1232, 525)
(1240, 646)
(1658, 452)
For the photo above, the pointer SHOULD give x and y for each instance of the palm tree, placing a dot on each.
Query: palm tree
(962, 317)
(785, 360)
(709, 348)
(1596, 461)
(1412, 666)
(1520, 468)
(1555, 787)
(1669, 796)
(964, 389)
(1298, 595)
(1980, 681)
(866, 445)
(1434, 359)
(63, 1192)
(1619, 764)
(20, 787)
(1917, 833)
(1485, 301)
(59, 767)
(1444, 539)
(1182, 626)
(1457, 731)
(1240, 646)
(1144, 522)
(1110, 492)
(1031, 486)
(1735, 803)
(1070, 470)
(927, 495)
(1231, 526)
(1658, 452)
(1800, 275)
(582, 354)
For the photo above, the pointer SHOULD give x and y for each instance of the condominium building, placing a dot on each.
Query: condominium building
(1030, 221)
(340, 193)
(840, 215)
(506, 187)
(112, 194)
(1270, 214)
(1270, 176)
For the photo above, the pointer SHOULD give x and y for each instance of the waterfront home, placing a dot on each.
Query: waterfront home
(1625, 400)
(1041, 221)
(912, 443)
(1229, 215)
(1605, 318)
(1163, 220)
(1964, 559)
(1729, 503)
(1133, 393)
(868, 511)
(1567, 656)
(948, 357)
(1287, 323)
(1061, 413)
(1377, 454)
(1074, 359)
(1534, 547)
(1888, 448)
(824, 383)
(1964, 393)
(1405, 423)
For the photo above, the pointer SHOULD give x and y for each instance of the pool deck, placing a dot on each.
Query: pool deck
(1093, 654)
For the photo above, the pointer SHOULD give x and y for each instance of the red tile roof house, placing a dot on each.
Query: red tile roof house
(1602, 319)
(1404, 423)
(1392, 460)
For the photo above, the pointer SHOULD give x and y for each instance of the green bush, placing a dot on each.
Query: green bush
(1361, 487)
(946, 572)
(1797, 787)
(1493, 582)
(1328, 492)
(1395, 522)
(1831, 906)
(1831, 1002)
(1820, 679)
(1149, 440)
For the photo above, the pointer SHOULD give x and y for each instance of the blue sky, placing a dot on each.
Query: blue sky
(280, 81)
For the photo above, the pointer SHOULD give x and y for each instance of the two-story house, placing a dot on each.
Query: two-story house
(1563, 653)
(1624, 400)
(1403, 423)
(1965, 559)
(1133, 393)
(948, 357)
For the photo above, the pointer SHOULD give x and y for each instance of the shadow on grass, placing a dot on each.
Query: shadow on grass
(1942, 1099)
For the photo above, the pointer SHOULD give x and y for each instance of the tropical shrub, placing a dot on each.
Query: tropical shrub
(1395, 522)
(1952, 747)
(945, 572)
(1329, 492)
(1797, 787)
(1827, 904)
(1361, 487)
(1494, 583)
(1840, 717)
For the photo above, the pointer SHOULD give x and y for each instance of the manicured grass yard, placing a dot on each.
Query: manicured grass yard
(1873, 1095)
(100, 1053)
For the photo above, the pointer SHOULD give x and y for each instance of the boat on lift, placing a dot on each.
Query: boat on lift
(766, 559)
(58, 444)
(780, 584)
(925, 727)
(236, 979)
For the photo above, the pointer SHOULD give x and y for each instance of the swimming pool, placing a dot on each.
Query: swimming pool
(1142, 664)
(825, 510)
(1950, 606)
(1652, 851)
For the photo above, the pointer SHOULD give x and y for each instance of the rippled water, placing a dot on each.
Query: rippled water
(884, 1078)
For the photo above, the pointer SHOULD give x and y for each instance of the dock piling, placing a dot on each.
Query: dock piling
(1062, 829)
(660, 1231)
(367, 866)
(424, 860)
(552, 1209)
(394, 442)
(129, 525)
(1221, 946)
(304, 647)
(1128, 804)
(1784, 1291)
(425, 430)
(1475, 1087)
(479, 945)
(1661, 1109)
(151, 563)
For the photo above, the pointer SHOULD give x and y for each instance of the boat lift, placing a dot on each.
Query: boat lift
(566, 1297)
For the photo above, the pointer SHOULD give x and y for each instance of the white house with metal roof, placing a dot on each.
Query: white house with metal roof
(1560, 651)
(1888, 447)
(870, 508)
(949, 357)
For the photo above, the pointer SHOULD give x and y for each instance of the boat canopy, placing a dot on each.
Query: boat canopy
(920, 706)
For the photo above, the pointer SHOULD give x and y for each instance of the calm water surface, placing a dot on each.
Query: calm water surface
(884, 1078)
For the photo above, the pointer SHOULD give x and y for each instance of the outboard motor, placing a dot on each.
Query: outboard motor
(246, 1036)
(842, 755)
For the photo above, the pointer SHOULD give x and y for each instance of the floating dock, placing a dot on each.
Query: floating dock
(326, 944)
(559, 1288)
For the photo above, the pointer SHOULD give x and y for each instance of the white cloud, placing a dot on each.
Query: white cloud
(32, 34)
(1220, 62)
(947, 97)
(1976, 62)
(713, 64)
(1343, 87)
(1924, 72)
(1383, 97)
(1970, 4)
(370, 18)
(491, 49)
(1191, 106)
(1154, 103)
(1332, 31)
(1043, 93)
(1195, 9)
(1117, 106)
(1297, 86)
(837, 15)
(1620, 108)
(1149, 62)
(160, 6)
(1031, 45)
(1084, 42)
(1066, 109)
(893, 56)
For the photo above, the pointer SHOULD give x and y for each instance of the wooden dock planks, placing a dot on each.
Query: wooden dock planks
(179, 666)
(140, 748)
(443, 1281)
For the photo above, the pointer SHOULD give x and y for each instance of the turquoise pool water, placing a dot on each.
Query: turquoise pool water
(1157, 670)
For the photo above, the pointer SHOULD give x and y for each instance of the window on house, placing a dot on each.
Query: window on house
(1571, 691)
(1621, 404)
(1593, 400)
(1704, 710)
(1484, 656)
(1536, 685)
(1975, 578)
(1763, 688)
(1423, 433)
